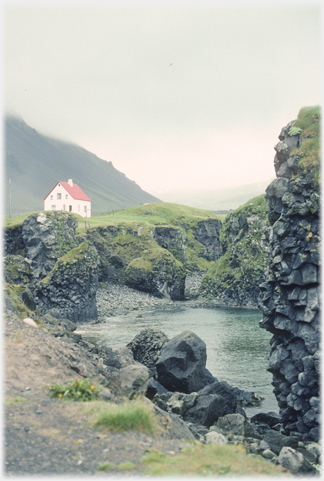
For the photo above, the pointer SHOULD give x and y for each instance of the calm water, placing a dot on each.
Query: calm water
(237, 349)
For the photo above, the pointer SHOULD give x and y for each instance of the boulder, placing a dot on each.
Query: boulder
(206, 410)
(215, 438)
(173, 426)
(277, 441)
(235, 424)
(181, 366)
(294, 461)
(147, 346)
(153, 388)
(133, 380)
(226, 391)
(270, 418)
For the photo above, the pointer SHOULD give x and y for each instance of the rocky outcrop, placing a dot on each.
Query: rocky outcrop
(13, 241)
(173, 239)
(290, 298)
(157, 272)
(48, 236)
(235, 278)
(181, 366)
(57, 276)
(69, 290)
(207, 233)
(147, 345)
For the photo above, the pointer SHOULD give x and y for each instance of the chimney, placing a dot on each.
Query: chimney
(70, 182)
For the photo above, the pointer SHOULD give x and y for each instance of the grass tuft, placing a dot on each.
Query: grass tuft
(210, 460)
(130, 416)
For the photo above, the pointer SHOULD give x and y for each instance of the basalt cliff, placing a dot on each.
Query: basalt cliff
(290, 300)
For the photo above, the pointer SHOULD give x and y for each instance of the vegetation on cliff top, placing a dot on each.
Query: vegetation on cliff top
(309, 125)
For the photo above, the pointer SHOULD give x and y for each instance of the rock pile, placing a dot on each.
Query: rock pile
(291, 293)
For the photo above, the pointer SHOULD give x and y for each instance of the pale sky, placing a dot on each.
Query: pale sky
(179, 96)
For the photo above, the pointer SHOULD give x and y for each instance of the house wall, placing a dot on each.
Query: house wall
(66, 202)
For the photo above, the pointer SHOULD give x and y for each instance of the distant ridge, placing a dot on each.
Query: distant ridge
(35, 162)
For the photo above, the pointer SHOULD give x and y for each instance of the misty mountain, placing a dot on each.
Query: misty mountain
(217, 200)
(35, 163)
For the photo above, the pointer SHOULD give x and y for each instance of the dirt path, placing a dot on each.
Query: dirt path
(44, 436)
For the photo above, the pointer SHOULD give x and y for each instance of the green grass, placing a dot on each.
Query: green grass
(309, 153)
(157, 213)
(130, 416)
(209, 460)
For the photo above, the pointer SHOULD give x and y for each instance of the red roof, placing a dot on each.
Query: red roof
(76, 192)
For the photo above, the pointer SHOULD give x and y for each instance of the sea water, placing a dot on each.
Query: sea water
(237, 349)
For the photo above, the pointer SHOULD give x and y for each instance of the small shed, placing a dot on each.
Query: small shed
(69, 197)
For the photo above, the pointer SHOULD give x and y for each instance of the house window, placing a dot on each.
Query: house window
(66, 196)
(51, 197)
(53, 207)
(70, 208)
(85, 208)
(63, 206)
(59, 196)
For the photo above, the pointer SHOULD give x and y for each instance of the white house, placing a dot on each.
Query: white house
(68, 196)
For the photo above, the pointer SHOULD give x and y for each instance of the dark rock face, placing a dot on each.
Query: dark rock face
(147, 346)
(59, 276)
(181, 366)
(173, 239)
(46, 238)
(13, 241)
(207, 233)
(291, 294)
(159, 273)
(235, 277)
(69, 291)
(207, 409)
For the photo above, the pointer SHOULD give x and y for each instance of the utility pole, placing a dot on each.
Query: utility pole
(9, 198)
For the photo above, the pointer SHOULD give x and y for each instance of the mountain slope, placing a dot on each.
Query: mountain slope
(34, 163)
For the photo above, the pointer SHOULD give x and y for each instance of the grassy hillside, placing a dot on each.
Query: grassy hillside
(35, 163)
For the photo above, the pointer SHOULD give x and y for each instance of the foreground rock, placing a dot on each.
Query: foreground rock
(181, 366)
(291, 295)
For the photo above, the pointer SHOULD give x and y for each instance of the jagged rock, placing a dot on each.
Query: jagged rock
(226, 391)
(206, 410)
(158, 272)
(291, 294)
(294, 461)
(147, 346)
(69, 290)
(277, 441)
(235, 278)
(181, 366)
(270, 418)
(174, 427)
(235, 424)
(153, 388)
(173, 239)
(207, 233)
